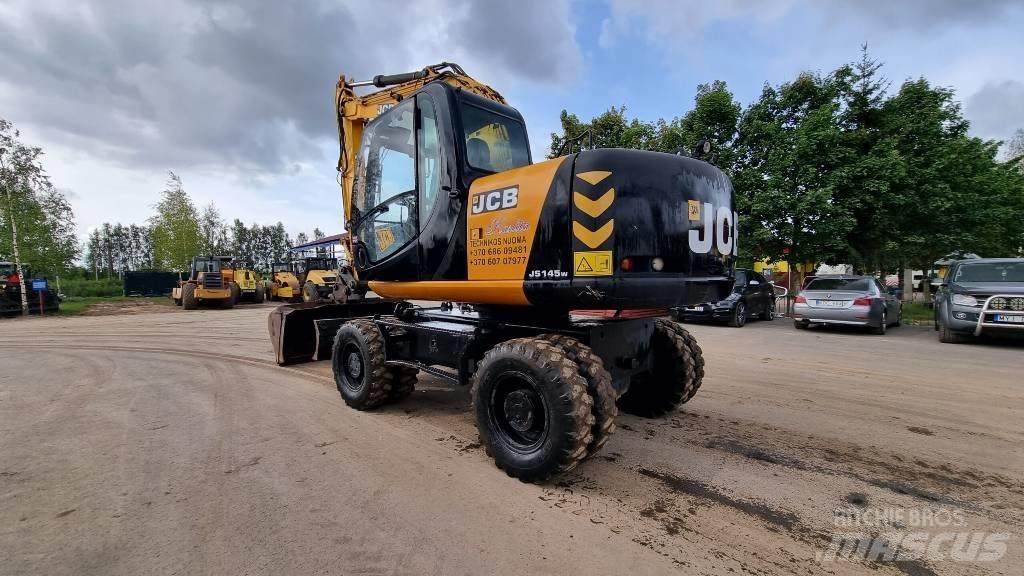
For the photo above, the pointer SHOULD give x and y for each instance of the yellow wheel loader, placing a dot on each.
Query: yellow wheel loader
(207, 283)
(284, 285)
(554, 278)
(318, 277)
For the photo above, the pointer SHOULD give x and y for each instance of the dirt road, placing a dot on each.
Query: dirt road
(154, 444)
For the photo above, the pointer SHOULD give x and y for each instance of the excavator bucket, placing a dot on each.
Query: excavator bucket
(305, 332)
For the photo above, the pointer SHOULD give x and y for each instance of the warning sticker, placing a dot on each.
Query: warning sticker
(693, 209)
(597, 263)
(385, 238)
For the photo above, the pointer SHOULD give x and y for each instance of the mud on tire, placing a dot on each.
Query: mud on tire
(532, 408)
(599, 385)
(676, 376)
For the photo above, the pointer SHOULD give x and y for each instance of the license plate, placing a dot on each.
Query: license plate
(831, 303)
(1010, 319)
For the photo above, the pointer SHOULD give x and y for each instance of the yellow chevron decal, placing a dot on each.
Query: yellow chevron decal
(593, 177)
(595, 238)
(594, 208)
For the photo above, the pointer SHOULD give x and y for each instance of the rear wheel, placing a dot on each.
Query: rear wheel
(676, 375)
(260, 294)
(801, 325)
(883, 324)
(188, 297)
(532, 407)
(599, 385)
(769, 310)
(236, 293)
(309, 293)
(177, 301)
(739, 315)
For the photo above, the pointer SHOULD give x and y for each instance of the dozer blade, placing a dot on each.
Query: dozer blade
(294, 332)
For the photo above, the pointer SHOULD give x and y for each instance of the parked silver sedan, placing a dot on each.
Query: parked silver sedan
(852, 300)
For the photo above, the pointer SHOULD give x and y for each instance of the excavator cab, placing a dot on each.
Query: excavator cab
(414, 168)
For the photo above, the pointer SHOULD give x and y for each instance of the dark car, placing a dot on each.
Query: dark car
(980, 296)
(751, 295)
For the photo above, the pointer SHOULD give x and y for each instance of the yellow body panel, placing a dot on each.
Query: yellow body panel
(317, 276)
(499, 232)
(212, 293)
(480, 291)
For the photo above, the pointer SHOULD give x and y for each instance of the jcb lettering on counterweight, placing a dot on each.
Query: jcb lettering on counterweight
(496, 200)
(718, 229)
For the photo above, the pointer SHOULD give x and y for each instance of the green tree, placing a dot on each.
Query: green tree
(788, 149)
(1015, 150)
(714, 118)
(36, 224)
(176, 232)
(213, 231)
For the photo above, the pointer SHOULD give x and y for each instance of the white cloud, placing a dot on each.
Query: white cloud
(234, 94)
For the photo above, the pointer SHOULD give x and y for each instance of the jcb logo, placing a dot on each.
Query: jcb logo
(718, 228)
(496, 200)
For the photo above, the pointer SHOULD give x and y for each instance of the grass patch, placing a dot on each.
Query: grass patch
(915, 312)
(75, 306)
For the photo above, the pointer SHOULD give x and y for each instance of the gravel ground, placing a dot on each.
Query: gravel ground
(170, 443)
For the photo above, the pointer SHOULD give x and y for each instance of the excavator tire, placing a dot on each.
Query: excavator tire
(363, 379)
(188, 297)
(260, 295)
(177, 301)
(236, 293)
(676, 376)
(599, 385)
(404, 383)
(533, 411)
(309, 293)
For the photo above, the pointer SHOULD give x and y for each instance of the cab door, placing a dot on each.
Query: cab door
(385, 216)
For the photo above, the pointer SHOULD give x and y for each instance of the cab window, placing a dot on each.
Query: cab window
(384, 195)
(428, 148)
(494, 143)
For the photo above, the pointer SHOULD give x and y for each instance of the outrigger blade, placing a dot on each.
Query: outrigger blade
(305, 332)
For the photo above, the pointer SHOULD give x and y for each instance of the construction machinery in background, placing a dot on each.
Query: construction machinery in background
(318, 276)
(284, 286)
(248, 281)
(10, 291)
(209, 282)
(553, 277)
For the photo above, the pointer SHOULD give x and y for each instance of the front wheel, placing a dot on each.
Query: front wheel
(363, 379)
(739, 315)
(260, 295)
(947, 336)
(188, 297)
(533, 412)
(309, 293)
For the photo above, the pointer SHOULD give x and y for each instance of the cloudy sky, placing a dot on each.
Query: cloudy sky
(236, 95)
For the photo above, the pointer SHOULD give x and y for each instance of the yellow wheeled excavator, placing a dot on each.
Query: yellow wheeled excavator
(553, 277)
